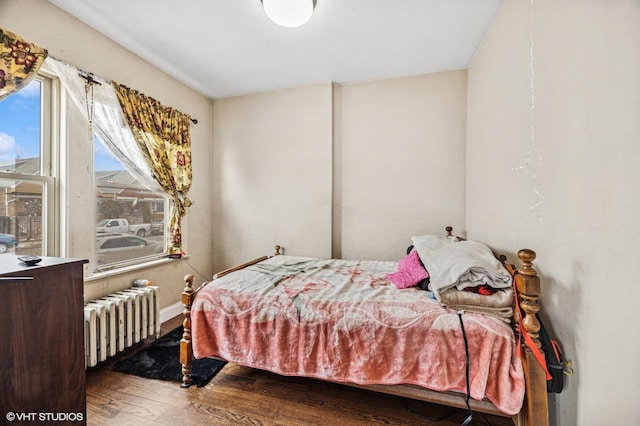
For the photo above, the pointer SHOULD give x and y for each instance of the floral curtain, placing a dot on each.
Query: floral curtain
(163, 135)
(19, 62)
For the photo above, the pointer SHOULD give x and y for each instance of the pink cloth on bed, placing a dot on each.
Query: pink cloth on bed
(410, 271)
(344, 321)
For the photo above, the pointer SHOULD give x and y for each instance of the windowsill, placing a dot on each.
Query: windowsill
(131, 268)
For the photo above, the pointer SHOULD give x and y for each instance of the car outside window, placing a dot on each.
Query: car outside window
(120, 248)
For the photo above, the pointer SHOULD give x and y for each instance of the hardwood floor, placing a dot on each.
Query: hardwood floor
(243, 396)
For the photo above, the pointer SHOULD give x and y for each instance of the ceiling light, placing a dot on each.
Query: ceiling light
(289, 13)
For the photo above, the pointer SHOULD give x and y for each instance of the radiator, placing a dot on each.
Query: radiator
(117, 321)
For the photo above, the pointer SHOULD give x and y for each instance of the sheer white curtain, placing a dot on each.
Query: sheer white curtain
(102, 107)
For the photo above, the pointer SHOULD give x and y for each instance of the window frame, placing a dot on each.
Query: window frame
(49, 175)
(57, 125)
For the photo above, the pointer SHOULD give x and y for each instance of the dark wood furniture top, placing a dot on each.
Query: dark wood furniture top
(42, 326)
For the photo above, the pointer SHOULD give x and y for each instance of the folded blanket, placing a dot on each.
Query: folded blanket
(459, 264)
(499, 304)
(504, 314)
(499, 299)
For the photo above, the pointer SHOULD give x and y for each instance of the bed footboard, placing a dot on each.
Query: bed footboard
(188, 294)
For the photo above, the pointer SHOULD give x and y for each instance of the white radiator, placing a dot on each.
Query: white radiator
(117, 321)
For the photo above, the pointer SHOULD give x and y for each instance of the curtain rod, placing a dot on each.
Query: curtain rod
(88, 76)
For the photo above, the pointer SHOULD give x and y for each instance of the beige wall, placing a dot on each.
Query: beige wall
(272, 174)
(399, 163)
(583, 166)
(68, 39)
(350, 171)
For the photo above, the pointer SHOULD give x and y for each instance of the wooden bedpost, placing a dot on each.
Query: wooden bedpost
(188, 295)
(186, 350)
(535, 410)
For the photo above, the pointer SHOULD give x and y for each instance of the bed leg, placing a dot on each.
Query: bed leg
(186, 349)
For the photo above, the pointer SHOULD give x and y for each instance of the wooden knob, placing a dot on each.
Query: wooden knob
(527, 256)
(449, 230)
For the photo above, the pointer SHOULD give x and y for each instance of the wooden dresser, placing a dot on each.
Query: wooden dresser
(42, 373)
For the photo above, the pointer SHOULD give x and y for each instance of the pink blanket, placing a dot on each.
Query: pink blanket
(344, 321)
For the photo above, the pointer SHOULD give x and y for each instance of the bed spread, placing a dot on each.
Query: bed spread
(343, 321)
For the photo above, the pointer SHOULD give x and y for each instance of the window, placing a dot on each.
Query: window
(27, 172)
(30, 202)
(130, 222)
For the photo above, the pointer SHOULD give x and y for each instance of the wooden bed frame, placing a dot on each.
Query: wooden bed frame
(535, 409)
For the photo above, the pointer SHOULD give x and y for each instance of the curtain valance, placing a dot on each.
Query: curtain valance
(19, 62)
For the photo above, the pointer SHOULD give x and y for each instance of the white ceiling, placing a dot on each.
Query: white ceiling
(225, 48)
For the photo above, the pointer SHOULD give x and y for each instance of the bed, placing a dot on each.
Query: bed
(349, 321)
